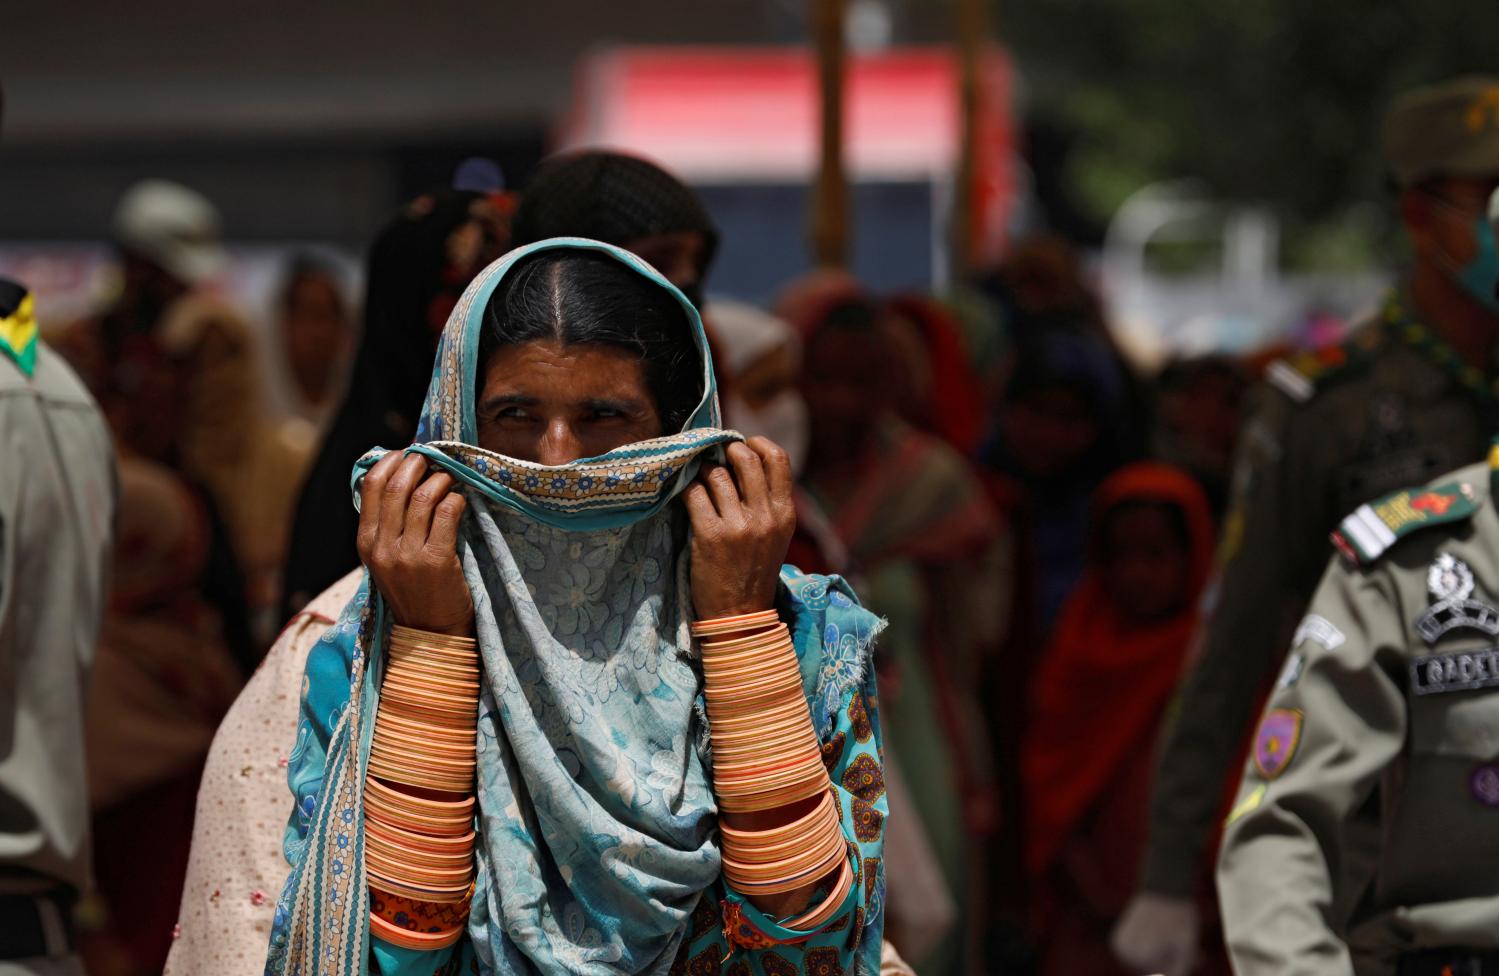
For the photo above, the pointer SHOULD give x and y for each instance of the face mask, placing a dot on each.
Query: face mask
(783, 418)
(1480, 276)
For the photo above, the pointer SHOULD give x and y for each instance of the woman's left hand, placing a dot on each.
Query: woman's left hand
(742, 524)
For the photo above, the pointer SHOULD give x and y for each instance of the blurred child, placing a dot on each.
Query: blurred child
(1097, 702)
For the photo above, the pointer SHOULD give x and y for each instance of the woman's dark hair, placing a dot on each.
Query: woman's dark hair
(578, 297)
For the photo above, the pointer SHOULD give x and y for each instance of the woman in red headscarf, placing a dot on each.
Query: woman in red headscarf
(1097, 703)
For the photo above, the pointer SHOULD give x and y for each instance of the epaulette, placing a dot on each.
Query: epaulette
(1300, 376)
(18, 332)
(1373, 528)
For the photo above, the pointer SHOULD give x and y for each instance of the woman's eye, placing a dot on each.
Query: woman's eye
(604, 413)
(512, 413)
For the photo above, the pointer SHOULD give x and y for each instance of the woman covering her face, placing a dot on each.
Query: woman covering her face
(579, 718)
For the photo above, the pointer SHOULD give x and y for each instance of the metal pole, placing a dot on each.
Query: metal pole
(973, 25)
(830, 194)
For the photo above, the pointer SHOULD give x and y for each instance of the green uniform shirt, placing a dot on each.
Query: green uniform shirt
(1390, 702)
(1330, 430)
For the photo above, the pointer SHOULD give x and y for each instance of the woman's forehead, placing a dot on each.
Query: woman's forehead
(580, 370)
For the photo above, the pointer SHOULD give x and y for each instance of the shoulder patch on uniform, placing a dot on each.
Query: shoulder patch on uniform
(1373, 528)
(18, 330)
(1290, 381)
(1276, 740)
(1301, 375)
(1317, 628)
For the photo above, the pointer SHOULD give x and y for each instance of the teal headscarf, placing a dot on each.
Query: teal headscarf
(621, 487)
(596, 828)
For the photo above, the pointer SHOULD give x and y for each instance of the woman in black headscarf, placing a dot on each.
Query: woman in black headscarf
(625, 201)
(418, 266)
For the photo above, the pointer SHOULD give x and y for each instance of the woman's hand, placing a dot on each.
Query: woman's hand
(408, 538)
(741, 526)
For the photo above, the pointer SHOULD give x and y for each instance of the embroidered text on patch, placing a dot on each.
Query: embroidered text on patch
(1458, 671)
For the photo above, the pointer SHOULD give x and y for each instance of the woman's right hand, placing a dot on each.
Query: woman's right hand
(408, 539)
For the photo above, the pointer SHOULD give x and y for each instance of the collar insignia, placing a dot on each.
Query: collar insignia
(1450, 584)
(1449, 578)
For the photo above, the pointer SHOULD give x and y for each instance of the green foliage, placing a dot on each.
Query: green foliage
(1271, 101)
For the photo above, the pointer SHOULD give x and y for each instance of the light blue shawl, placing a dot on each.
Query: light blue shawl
(596, 828)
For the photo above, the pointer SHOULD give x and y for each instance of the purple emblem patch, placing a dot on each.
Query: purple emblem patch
(1275, 742)
(1484, 784)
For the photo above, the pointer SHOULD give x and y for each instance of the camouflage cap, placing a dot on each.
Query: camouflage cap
(1446, 129)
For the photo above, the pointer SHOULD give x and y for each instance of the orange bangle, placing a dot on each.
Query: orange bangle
(759, 861)
(730, 717)
(407, 939)
(755, 669)
(824, 913)
(755, 787)
(729, 625)
(413, 637)
(808, 874)
(824, 847)
(761, 772)
(446, 895)
(771, 799)
(759, 640)
(773, 835)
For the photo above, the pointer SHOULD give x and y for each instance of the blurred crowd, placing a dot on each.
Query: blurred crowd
(1032, 512)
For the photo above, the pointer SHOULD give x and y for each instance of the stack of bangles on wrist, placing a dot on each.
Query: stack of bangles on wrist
(418, 795)
(766, 755)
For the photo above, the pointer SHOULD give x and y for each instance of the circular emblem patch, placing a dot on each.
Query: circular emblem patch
(1449, 578)
(1484, 784)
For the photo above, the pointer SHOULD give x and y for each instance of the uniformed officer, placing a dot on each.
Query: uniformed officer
(1408, 396)
(57, 506)
(1390, 695)
(57, 502)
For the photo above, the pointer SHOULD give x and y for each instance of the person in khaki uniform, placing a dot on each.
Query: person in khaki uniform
(1408, 396)
(57, 503)
(1390, 694)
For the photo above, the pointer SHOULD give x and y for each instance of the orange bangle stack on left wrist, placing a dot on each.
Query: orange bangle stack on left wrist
(766, 755)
